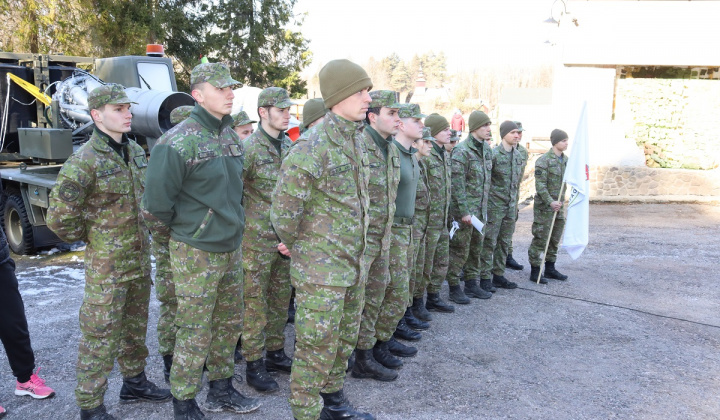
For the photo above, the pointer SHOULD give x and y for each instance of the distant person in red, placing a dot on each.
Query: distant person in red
(458, 122)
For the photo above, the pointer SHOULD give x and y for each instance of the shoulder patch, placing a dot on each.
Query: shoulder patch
(70, 191)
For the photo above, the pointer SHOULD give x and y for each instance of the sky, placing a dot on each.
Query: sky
(472, 33)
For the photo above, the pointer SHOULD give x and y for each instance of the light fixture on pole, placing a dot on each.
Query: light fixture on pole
(562, 12)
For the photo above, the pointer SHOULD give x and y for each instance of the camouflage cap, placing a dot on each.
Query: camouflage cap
(383, 98)
(519, 124)
(410, 111)
(427, 134)
(180, 114)
(275, 96)
(241, 118)
(217, 74)
(454, 135)
(108, 94)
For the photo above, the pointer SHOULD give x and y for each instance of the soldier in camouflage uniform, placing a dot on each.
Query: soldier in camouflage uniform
(454, 139)
(508, 165)
(510, 261)
(549, 172)
(242, 124)
(194, 186)
(382, 123)
(437, 166)
(472, 165)
(180, 114)
(422, 217)
(97, 200)
(267, 272)
(313, 112)
(320, 212)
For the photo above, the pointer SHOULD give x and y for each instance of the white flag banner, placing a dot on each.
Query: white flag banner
(577, 178)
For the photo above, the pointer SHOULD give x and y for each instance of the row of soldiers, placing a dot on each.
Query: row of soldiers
(357, 215)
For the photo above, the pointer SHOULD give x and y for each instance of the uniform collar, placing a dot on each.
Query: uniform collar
(209, 121)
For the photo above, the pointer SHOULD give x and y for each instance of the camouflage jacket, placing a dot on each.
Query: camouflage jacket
(422, 201)
(194, 182)
(507, 172)
(382, 188)
(320, 204)
(438, 172)
(97, 200)
(549, 172)
(260, 173)
(472, 164)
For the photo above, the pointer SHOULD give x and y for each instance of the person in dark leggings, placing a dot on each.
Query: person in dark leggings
(14, 331)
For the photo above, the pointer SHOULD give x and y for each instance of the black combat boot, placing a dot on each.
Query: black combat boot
(97, 413)
(277, 361)
(501, 281)
(351, 362)
(382, 355)
(473, 289)
(187, 410)
(413, 322)
(257, 376)
(238, 351)
(486, 285)
(367, 367)
(534, 271)
(404, 333)
(435, 304)
(223, 397)
(457, 295)
(138, 388)
(401, 350)
(512, 264)
(337, 407)
(552, 273)
(419, 310)
(291, 311)
(167, 366)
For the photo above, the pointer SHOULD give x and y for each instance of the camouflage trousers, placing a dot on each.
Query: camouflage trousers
(267, 296)
(465, 248)
(113, 323)
(397, 292)
(376, 264)
(540, 230)
(498, 235)
(209, 316)
(437, 240)
(418, 262)
(165, 293)
(326, 329)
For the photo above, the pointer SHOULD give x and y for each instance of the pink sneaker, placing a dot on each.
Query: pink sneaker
(35, 387)
(2, 412)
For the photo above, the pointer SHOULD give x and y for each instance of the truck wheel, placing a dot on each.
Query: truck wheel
(18, 229)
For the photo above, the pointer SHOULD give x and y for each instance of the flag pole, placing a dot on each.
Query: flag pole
(547, 243)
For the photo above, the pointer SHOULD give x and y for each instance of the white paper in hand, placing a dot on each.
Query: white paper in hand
(455, 227)
(477, 224)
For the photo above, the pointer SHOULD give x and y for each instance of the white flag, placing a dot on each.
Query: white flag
(577, 178)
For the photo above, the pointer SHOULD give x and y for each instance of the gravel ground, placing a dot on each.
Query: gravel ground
(632, 334)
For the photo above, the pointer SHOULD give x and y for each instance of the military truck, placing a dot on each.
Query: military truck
(44, 118)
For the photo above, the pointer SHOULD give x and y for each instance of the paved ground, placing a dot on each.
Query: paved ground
(633, 334)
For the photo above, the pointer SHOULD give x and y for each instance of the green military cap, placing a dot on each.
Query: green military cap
(217, 74)
(108, 94)
(410, 111)
(312, 111)
(180, 113)
(383, 98)
(427, 134)
(454, 135)
(241, 118)
(519, 124)
(275, 96)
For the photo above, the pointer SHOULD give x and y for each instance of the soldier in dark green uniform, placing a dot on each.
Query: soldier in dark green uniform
(320, 212)
(549, 172)
(373, 359)
(267, 272)
(507, 168)
(97, 200)
(510, 261)
(438, 168)
(472, 165)
(194, 186)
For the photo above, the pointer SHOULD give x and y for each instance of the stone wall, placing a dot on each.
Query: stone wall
(607, 182)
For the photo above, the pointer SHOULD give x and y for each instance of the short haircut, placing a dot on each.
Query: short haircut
(375, 110)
